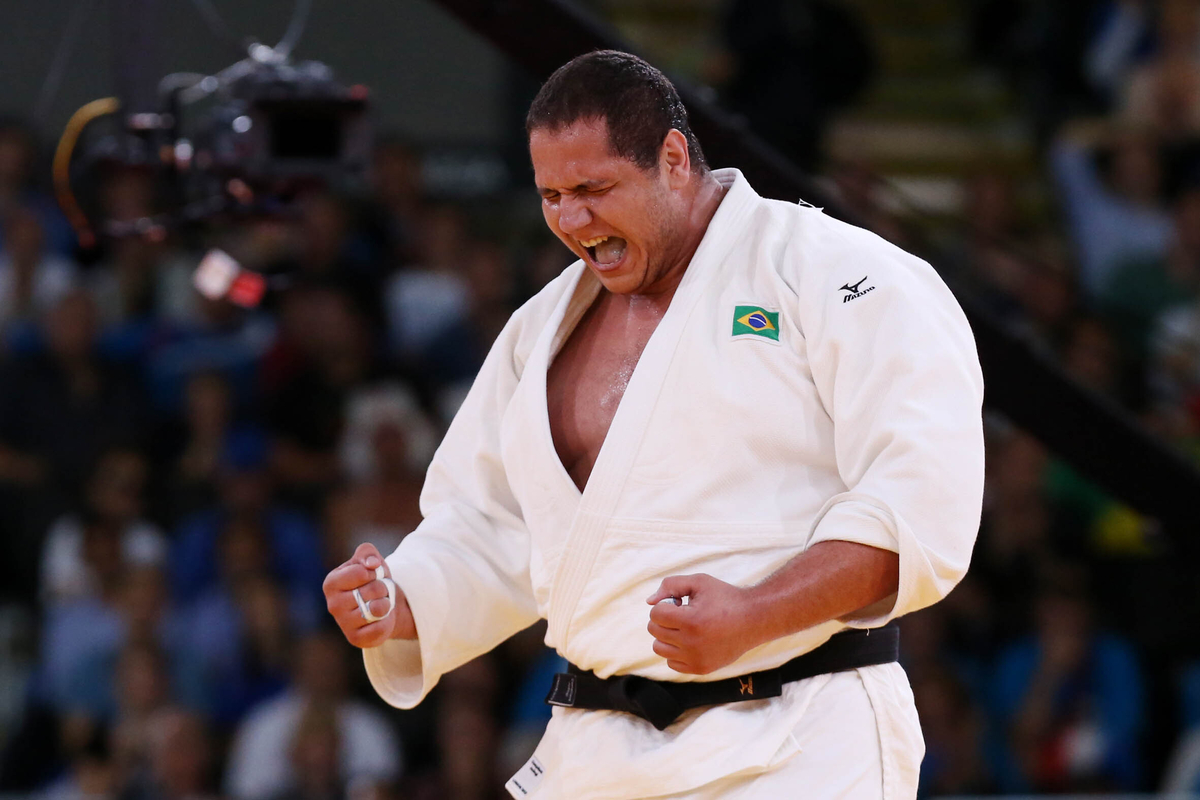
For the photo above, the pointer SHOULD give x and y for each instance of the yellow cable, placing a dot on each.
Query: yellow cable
(62, 165)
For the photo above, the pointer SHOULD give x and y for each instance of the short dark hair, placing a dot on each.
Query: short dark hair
(638, 103)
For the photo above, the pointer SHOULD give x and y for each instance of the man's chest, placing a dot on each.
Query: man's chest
(587, 380)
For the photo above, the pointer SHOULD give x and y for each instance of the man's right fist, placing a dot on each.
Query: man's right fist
(359, 573)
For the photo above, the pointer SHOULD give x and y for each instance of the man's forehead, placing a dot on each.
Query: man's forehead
(577, 154)
(590, 129)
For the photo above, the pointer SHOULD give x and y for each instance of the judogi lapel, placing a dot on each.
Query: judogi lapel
(619, 451)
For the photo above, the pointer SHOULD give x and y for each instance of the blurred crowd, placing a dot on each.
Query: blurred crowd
(177, 474)
(1062, 662)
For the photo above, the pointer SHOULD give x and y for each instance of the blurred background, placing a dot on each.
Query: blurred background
(177, 473)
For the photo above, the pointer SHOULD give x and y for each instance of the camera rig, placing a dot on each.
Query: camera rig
(242, 142)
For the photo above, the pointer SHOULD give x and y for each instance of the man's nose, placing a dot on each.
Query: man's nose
(573, 215)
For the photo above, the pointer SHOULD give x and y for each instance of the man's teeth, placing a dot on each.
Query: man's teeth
(593, 242)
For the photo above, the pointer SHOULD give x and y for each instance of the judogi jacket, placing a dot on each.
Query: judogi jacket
(809, 382)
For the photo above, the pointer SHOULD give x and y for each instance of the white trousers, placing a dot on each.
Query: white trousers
(840, 754)
(859, 739)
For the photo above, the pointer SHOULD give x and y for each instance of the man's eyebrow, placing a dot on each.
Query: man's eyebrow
(585, 185)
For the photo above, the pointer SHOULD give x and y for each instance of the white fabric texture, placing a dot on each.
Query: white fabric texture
(728, 455)
(260, 763)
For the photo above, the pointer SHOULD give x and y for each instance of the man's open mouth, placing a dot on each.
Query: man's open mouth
(604, 250)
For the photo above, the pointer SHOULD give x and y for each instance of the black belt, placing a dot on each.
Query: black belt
(661, 702)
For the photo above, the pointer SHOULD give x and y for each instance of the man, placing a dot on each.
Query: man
(735, 428)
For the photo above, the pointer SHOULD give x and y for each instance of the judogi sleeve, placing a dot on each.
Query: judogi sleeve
(465, 569)
(897, 371)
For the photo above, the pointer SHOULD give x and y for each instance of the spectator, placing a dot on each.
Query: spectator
(113, 506)
(467, 730)
(384, 452)
(991, 218)
(1182, 774)
(243, 632)
(315, 744)
(426, 298)
(91, 772)
(1142, 289)
(1124, 35)
(247, 533)
(1090, 355)
(126, 284)
(180, 759)
(93, 646)
(1068, 701)
(1041, 46)
(953, 729)
(142, 289)
(397, 199)
(60, 409)
(929, 652)
(18, 187)
(225, 339)
(139, 685)
(1116, 217)
(322, 247)
(334, 356)
(794, 65)
(32, 279)
(1164, 92)
(454, 356)
(273, 755)
(192, 448)
(247, 577)
(1047, 293)
(1014, 540)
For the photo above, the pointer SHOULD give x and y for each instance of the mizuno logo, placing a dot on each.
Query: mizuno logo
(853, 290)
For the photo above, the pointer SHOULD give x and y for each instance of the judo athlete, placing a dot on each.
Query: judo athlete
(719, 454)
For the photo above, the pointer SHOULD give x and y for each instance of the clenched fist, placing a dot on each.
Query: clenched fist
(359, 573)
(714, 629)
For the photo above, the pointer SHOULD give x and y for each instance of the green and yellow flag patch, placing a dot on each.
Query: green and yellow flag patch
(755, 321)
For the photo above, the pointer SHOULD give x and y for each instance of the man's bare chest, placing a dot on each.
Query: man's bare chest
(587, 380)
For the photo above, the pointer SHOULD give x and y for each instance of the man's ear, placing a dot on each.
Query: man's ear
(674, 160)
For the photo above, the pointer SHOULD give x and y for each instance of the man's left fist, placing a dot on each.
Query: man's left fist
(714, 629)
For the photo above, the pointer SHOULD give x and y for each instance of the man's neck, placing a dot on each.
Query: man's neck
(705, 201)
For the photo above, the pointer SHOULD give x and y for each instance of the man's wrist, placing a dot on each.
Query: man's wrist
(760, 616)
(403, 624)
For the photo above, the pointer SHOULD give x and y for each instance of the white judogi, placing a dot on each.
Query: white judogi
(728, 455)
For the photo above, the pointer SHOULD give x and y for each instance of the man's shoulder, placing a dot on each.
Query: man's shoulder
(820, 254)
(836, 272)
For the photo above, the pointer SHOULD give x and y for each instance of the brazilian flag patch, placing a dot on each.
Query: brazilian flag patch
(755, 321)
